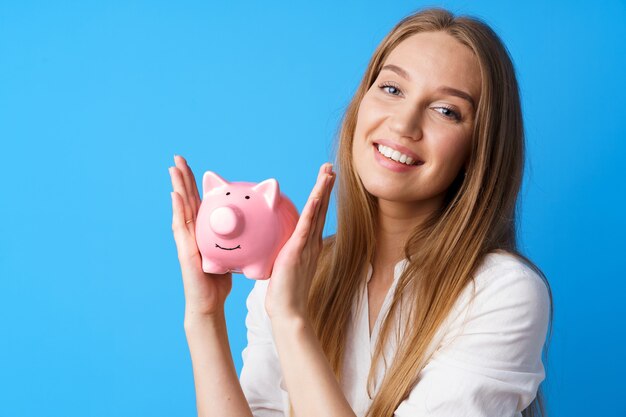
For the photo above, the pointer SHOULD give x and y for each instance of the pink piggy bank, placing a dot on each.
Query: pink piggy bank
(241, 226)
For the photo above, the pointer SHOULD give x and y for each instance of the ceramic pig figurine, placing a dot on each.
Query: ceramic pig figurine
(241, 226)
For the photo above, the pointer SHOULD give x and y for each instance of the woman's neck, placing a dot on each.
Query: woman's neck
(396, 221)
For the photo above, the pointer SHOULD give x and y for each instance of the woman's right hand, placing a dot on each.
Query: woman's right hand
(205, 294)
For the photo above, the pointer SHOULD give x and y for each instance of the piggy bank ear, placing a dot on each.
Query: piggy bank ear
(211, 180)
(270, 191)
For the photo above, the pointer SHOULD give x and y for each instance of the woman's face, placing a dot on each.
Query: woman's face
(421, 110)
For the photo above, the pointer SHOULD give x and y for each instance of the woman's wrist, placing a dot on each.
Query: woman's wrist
(194, 318)
(293, 323)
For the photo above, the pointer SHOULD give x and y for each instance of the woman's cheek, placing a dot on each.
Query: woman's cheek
(371, 111)
(453, 145)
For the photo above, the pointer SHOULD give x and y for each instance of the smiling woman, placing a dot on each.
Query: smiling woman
(420, 305)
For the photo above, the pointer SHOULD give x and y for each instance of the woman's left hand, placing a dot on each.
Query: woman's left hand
(294, 267)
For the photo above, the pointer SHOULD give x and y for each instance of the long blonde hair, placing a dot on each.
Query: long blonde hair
(478, 217)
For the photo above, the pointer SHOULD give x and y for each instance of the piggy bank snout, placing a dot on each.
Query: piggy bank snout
(227, 221)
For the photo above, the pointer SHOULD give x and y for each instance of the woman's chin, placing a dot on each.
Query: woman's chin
(391, 194)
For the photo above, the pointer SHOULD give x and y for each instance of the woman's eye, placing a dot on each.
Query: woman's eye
(448, 113)
(393, 87)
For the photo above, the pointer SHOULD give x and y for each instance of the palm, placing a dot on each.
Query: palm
(204, 293)
(295, 264)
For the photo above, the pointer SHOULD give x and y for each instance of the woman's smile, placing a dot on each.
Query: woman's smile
(381, 152)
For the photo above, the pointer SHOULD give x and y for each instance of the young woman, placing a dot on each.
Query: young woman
(420, 304)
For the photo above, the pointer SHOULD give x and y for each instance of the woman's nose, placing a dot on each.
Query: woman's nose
(407, 121)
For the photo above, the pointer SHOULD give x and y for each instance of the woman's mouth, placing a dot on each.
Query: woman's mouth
(396, 155)
(393, 159)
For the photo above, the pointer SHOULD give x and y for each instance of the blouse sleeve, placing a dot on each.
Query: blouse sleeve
(489, 361)
(261, 374)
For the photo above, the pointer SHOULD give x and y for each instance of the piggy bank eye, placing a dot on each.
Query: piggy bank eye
(247, 197)
(228, 193)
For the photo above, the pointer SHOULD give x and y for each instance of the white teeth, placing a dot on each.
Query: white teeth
(395, 155)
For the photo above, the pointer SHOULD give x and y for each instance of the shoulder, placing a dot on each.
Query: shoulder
(500, 261)
(500, 319)
(506, 296)
(489, 359)
(503, 273)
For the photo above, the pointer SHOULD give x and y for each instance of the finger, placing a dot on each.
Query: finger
(195, 188)
(303, 226)
(314, 222)
(179, 187)
(185, 242)
(318, 188)
(318, 193)
(327, 185)
(190, 183)
(320, 217)
(180, 164)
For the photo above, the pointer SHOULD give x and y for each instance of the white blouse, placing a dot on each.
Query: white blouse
(486, 357)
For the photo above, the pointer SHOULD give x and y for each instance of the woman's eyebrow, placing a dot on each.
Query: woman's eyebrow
(458, 93)
(402, 73)
(444, 89)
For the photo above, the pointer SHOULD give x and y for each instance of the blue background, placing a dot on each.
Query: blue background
(96, 97)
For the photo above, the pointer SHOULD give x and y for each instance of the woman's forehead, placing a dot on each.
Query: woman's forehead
(435, 58)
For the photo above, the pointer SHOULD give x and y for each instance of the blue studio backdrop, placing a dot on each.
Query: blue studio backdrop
(96, 97)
